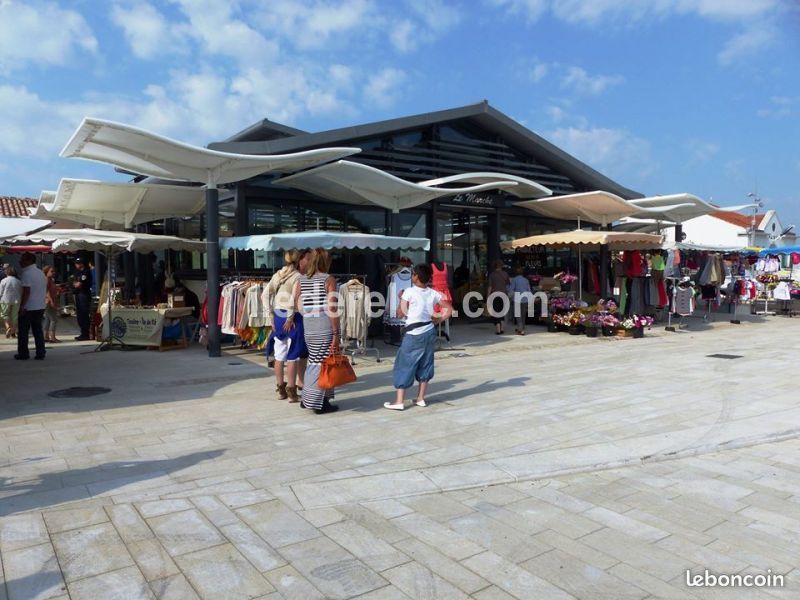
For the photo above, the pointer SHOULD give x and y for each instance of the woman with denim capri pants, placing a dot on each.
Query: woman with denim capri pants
(414, 360)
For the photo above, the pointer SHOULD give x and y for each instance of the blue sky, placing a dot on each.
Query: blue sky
(664, 96)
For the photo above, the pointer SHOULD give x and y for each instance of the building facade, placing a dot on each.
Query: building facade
(465, 229)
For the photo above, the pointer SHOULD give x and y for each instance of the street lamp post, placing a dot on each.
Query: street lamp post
(757, 203)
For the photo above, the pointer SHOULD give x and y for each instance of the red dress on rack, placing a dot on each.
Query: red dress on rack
(439, 282)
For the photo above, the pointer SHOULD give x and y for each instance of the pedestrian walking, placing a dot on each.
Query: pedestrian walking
(10, 298)
(315, 300)
(31, 312)
(51, 306)
(287, 328)
(496, 292)
(83, 298)
(414, 361)
(519, 290)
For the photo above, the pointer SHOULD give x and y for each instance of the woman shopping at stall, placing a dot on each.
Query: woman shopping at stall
(315, 299)
(287, 328)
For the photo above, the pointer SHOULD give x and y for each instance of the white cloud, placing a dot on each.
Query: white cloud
(581, 82)
(750, 41)
(538, 71)
(701, 151)
(779, 107)
(382, 88)
(613, 151)
(148, 31)
(556, 113)
(403, 36)
(531, 10)
(41, 33)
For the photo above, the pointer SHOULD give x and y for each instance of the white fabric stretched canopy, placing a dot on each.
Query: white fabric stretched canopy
(101, 204)
(93, 240)
(323, 239)
(525, 188)
(354, 183)
(598, 207)
(146, 153)
(678, 207)
(11, 227)
(616, 240)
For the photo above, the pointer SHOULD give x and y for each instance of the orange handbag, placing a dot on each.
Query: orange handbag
(336, 371)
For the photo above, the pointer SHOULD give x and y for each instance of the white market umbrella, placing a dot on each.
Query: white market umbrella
(323, 239)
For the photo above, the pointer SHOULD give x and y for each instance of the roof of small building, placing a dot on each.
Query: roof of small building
(738, 219)
(11, 206)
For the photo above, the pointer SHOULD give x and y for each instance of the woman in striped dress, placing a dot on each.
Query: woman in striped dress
(316, 301)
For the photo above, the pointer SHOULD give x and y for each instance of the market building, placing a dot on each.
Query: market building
(465, 229)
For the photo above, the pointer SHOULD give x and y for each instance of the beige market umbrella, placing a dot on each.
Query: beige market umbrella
(583, 239)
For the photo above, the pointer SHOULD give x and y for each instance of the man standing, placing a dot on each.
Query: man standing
(31, 312)
(83, 298)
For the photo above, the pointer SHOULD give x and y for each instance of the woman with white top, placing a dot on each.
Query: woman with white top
(10, 298)
(287, 329)
(414, 360)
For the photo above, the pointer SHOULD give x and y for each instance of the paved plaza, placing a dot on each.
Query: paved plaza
(549, 466)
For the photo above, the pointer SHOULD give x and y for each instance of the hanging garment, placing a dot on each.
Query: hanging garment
(623, 294)
(354, 310)
(398, 281)
(782, 291)
(440, 281)
(684, 301)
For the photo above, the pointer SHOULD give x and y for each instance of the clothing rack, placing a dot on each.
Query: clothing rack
(671, 310)
(358, 348)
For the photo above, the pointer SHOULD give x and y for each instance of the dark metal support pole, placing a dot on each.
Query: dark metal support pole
(604, 260)
(433, 233)
(212, 272)
(679, 233)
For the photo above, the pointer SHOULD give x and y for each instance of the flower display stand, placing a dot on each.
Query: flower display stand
(638, 332)
(609, 331)
(591, 332)
(575, 330)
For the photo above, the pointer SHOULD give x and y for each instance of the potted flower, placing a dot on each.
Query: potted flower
(565, 278)
(609, 324)
(634, 325)
(574, 322)
(592, 323)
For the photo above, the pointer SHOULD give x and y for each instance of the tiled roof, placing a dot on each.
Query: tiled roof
(16, 207)
(738, 219)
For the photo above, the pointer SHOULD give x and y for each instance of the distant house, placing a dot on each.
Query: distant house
(734, 229)
(11, 206)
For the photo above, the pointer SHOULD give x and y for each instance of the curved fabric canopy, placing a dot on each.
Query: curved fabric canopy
(678, 207)
(11, 227)
(636, 225)
(598, 207)
(100, 204)
(525, 188)
(782, 250)
(616, 240)
(93, 240)
(146, 153)
(323, 239)
(354, 183)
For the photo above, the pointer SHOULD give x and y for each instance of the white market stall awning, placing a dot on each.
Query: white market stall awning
(12, 227)
(323, 239)
(93, 240)
(678, 207)
(102, 204)
(637, 225)
(615, 240)
(146, 153)
(598, 207)
(354, 183)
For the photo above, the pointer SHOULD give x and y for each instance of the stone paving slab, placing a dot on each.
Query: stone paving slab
(546, 466)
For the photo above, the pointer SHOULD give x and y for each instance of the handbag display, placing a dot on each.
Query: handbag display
(336, 371)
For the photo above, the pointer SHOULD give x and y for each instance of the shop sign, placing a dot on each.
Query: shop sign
(471, 199)
(136, 326)
(534, 257)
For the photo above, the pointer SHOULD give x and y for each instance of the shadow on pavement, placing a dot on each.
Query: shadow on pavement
(47, 489)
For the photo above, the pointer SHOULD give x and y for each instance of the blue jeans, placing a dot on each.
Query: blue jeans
(414, 359)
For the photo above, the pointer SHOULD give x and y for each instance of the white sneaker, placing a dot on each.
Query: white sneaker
(391, 406)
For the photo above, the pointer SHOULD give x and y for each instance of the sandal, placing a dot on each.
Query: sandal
(420, 402)
(292, 393)
(281, 390)
(392, 406)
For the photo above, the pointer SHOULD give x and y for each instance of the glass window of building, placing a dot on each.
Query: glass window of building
(367, 221)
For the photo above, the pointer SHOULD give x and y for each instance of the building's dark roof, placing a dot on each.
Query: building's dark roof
(482, 114)
(11, 206)
(265, 130)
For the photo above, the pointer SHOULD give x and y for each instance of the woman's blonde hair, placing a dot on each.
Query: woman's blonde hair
(291, 258)
(320, 262)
